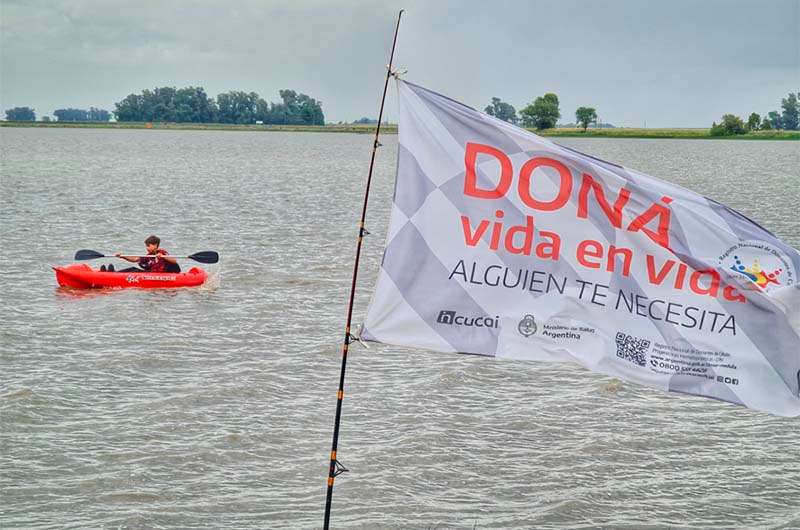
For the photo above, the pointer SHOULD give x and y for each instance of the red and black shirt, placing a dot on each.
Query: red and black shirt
(153, 264)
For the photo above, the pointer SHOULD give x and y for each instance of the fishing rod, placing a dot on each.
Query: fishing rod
(336, 468)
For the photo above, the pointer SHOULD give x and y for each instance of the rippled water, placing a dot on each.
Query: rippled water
(213, 407)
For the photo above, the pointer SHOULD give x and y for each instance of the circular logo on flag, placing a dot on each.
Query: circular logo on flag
(527, 326)
(762, 263)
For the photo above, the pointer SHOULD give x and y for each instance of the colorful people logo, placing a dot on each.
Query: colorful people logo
(756, 274)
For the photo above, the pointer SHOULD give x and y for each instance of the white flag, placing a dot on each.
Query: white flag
(503, 243)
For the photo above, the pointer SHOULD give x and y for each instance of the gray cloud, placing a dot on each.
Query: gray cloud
(680, 63)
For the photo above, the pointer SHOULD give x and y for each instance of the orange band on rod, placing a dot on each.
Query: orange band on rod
(333, 455)
(330, 481)
(340, 394)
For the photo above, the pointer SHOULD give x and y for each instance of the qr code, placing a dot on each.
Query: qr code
(632, 349)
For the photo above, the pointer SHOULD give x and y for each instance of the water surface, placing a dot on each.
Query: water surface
(213, 407)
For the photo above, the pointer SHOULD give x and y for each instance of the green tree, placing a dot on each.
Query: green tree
(310, 110)
(296, 109)
(189, 104)
(151, 105)
(45, 118)
(94, 114)
(791, 112)
(237, 106)
(70, 114)
(733, 124)
(501, 110)
(585, 115)
(766, 125)
(160, 104)
(263, 111)
(130, 108)
(285, 113)
(775, 119)
(753, 122)
(730, 125)
(21, 114)
(543, 113)
(192, 104)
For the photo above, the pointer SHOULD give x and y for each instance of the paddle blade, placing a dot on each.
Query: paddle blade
(207, 256)
(88, 254)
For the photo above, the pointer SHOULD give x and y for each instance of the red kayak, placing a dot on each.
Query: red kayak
(81, 276)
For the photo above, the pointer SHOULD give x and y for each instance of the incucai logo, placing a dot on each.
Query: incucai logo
(527, 326)
(446, 317)
(451, 318)
(767, 266)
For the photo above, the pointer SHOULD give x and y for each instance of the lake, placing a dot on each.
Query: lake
(214, 407)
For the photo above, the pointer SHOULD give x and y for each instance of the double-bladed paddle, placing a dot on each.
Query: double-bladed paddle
(206, 256)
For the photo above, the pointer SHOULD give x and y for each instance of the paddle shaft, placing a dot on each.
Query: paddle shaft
(205, 256)
(123, 256)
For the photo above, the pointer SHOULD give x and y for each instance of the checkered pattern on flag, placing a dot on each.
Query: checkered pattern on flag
(502, 243)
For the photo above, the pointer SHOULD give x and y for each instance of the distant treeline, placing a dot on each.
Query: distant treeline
(21, 114)
(192, 105)
(77, 115)
(788, 120)
(92, 114)
(542, 113)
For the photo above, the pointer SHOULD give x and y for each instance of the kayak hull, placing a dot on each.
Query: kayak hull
(81, 276)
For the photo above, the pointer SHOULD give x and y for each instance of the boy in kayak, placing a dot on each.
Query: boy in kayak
(159, 262)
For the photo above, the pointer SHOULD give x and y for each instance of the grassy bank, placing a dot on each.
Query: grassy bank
(392, 129)
(200, 126)
(624, 132)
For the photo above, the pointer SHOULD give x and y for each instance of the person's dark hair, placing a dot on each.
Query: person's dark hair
(152, 240)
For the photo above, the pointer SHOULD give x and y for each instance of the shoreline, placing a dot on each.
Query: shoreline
(618, 132)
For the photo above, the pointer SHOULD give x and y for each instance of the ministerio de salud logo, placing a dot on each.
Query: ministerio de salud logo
(765, 265)
(527, 326)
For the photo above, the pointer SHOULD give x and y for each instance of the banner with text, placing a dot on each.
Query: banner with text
(503, 243)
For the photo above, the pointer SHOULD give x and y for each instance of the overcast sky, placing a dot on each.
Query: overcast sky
(670, 63)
